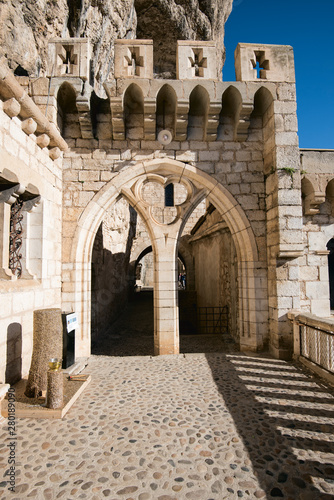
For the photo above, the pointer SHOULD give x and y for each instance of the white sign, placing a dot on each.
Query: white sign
(71, 322)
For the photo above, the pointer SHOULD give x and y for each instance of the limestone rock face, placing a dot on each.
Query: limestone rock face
(166, 21)
(27, 25)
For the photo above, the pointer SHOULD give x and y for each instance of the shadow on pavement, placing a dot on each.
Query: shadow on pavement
(285, 419)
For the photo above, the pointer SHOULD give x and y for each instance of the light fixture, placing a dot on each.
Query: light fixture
(165, 137)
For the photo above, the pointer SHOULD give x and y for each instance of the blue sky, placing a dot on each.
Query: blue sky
(308, 27)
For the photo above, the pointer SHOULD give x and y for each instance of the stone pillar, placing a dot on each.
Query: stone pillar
(166, 313)
(164, 223)
(284, 217)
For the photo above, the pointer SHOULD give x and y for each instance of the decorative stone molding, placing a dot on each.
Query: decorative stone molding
(70, 57)
(181, 119)
(8, 197)
(274, 63)
(29, 126)
(11, 107)
(243, 121)
(134, 59)
(12, 92)
(83, 107)
(195, 60)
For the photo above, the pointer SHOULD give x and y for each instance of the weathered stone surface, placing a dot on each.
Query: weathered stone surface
(27, 26)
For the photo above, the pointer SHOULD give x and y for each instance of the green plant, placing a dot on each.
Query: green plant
(289, 170)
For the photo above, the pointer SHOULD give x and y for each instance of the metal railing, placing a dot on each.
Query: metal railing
(212, 320)
(317, 345)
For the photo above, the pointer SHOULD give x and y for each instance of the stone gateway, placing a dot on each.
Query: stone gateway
(127, 162)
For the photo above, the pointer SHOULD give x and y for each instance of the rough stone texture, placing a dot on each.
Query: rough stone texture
(48, 343)
(167, 21)
(28, 25)
(54, 398)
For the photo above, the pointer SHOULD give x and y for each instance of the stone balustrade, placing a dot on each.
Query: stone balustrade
(314, 342)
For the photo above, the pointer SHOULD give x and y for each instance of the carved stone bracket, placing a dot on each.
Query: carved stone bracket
(313, 202)
(182, 119)
(11, 194)
(243, 121)
(149, 119)
(83, 107)
(213, 121)
(117, 118)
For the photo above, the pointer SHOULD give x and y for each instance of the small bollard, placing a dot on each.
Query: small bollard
(54, 394)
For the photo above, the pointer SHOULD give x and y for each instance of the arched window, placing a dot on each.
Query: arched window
(169, 195)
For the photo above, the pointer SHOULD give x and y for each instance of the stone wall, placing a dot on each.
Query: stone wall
(216, 268)
(28, 171)
(318, 229)
(110, 266)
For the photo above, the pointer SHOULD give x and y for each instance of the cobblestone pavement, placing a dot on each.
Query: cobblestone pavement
(194, 426)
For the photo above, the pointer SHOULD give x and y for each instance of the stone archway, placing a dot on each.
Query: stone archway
(204, 186)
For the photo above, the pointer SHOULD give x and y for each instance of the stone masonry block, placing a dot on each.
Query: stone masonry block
(196, 59)
(69, 57)
(134, 58)
(273, 63)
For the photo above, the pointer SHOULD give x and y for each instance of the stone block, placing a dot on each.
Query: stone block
(275, 63)
(186, 156)
(196, 60)
(320, 307)
(317, 290)
(69, 57)
(134, 59)
(209, 155)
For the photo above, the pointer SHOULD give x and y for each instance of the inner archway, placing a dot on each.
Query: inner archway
(204, 186)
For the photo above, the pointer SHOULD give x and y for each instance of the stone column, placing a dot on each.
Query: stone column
(284, 216)
(164, 224)
(166, 312)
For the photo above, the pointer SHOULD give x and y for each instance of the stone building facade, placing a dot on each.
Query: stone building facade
(248, 213)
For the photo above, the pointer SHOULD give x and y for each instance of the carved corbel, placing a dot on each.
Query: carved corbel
(83, 107)
(11, 194)
(12, 107)
(213, 121)
(313, 202)
(181, 120)
(29, 205)
(117, 118)
(149, 119)
(242, 121)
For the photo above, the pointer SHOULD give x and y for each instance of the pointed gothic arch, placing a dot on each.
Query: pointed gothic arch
(241, 231)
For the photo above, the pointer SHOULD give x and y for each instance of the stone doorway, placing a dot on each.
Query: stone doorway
(165, 239)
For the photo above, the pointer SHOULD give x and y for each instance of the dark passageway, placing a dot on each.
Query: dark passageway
(132, 333)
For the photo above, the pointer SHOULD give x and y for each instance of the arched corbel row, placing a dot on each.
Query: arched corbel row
(233, 104)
